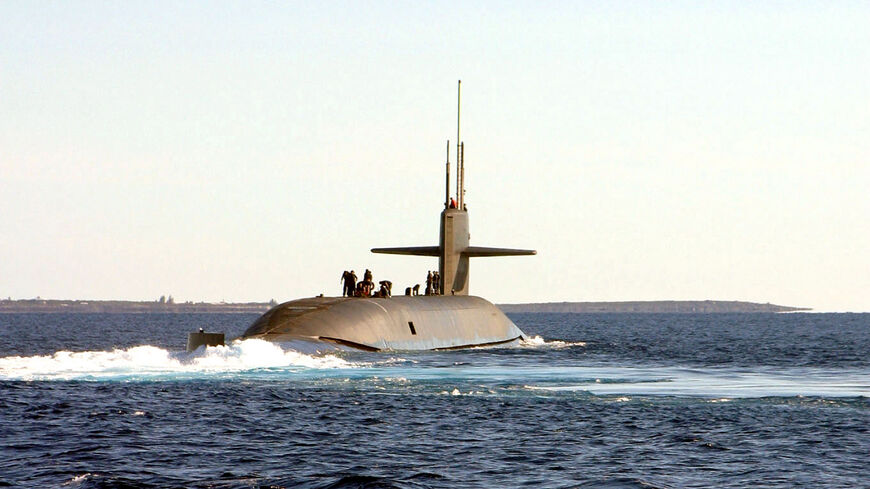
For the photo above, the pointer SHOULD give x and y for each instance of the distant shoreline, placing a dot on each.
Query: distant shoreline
(683, 307)
(134, 307)
(153, 307)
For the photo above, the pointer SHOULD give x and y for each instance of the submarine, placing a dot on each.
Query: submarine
(447, 319)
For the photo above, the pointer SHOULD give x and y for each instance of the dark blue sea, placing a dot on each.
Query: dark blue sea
(590, 400)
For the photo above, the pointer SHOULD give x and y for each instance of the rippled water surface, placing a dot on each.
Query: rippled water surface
(609, 400)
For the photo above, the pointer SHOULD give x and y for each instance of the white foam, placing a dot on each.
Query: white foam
(79, 478)
(538, 342)
(151, 361)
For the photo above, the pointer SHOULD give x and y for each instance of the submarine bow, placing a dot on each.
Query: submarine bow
(397, 323)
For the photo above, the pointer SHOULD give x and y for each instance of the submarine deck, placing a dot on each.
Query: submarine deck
(395, 323)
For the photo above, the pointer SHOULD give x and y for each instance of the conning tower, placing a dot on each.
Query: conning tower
(453, 250)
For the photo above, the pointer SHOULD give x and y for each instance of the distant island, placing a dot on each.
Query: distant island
(144, 307)
(651, 307)
(169, 306)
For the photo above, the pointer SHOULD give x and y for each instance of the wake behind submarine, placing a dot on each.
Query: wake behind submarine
(450, 318)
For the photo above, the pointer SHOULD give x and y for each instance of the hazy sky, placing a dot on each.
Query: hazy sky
(253, 150)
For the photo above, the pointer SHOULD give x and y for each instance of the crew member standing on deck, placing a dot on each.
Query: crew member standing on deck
(429, 283)
(349, 280)
(351, 284)
(436, 283)
(365, 287)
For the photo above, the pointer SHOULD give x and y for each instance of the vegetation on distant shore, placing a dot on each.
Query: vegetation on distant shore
(651, 307)
(161, 305)
(168, 305)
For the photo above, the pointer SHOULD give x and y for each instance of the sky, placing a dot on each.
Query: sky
(248, 151)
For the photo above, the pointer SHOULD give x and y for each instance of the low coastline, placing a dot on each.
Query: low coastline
(155, 307)
(682, 307)
(128, 307)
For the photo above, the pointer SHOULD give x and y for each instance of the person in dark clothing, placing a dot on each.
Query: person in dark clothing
(429, 283)
(348, 283)
(386, 289)
(367, 276)
(365, 288)
(436, 283)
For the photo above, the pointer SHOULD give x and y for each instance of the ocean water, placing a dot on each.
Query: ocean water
(590, 400)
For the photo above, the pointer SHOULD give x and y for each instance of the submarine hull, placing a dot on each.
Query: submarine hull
(396, 323)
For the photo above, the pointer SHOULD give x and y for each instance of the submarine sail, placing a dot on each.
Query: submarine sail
(448, 318)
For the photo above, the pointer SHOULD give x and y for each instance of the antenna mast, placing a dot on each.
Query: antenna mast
(458, 144)
(447, 186)
(462, 175)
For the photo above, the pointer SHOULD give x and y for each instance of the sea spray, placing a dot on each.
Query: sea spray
(538, 342)
(150, 362)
